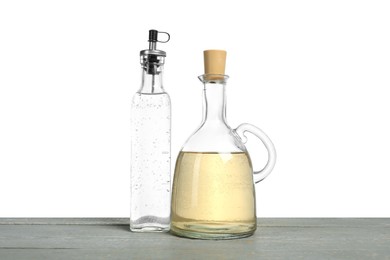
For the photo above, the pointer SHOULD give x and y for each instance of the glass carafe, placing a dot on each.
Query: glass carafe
(213, 193)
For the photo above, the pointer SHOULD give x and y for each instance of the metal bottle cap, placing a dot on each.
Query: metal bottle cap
(153, 39)
(152, 60)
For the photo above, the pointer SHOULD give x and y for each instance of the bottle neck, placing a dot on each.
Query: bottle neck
(214, 103)
(152, 83)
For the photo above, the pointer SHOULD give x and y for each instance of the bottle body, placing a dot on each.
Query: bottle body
(213, 194)
(150, 162)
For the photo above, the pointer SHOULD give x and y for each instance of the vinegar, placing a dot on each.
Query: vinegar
(213, 196)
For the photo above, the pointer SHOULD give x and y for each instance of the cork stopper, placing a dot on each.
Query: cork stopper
(214, 62)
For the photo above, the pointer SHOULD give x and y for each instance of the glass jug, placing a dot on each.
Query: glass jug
(213, 193)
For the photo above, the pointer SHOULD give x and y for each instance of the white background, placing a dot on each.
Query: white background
(314, 75)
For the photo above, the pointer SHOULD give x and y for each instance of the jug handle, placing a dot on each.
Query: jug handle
(240, 131)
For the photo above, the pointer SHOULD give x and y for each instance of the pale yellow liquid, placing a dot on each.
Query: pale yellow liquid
(213, 196)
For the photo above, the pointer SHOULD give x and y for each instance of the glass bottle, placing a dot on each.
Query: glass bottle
(151, 145)
(213, 194)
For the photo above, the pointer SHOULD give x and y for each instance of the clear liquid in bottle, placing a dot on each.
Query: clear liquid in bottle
(150, 167)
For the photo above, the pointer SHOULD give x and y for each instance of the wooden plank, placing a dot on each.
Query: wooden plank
(64, 221)
(261, 222)
(274, 239)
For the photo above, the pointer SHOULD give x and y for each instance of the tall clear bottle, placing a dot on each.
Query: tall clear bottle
(151, 145)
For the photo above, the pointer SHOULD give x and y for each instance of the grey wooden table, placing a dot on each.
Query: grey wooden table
(102, 238)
